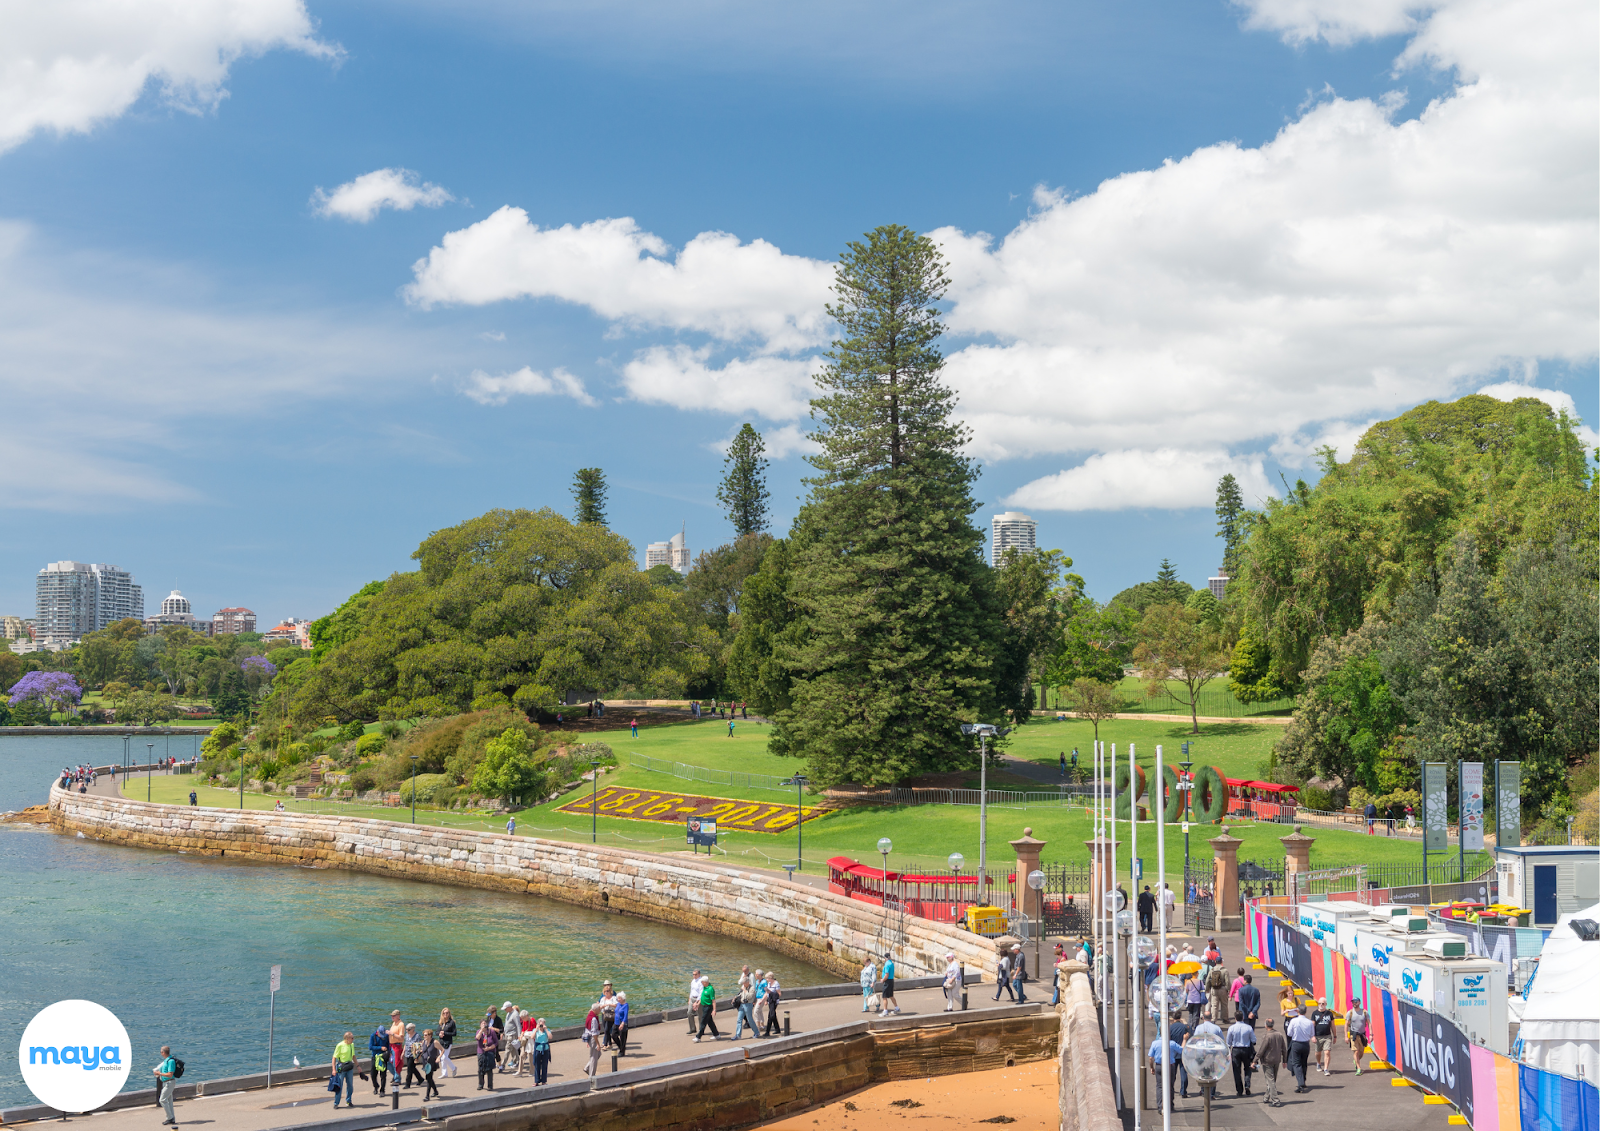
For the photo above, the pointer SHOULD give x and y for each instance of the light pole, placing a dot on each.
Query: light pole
(983, 731)
(148, 761)
(956, 862)
(1161, 945)
(413, 789)
(799, 820)
(1187, 785)
(594, 802)
(885, 845)
(1036, 882)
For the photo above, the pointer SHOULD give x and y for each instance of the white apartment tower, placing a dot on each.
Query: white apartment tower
(1219, 584)
(73, 598)
(1012, 530)
(673, 552)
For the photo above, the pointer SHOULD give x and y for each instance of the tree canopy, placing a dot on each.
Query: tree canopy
(589, 496)
(743, 490)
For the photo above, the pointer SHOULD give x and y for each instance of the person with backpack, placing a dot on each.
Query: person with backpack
(378, 1046)
(428, 1057)
(167, 1073)
(344, 1070)
(1217, 992)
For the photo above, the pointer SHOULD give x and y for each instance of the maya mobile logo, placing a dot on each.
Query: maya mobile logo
(74, 1055)
(1411, 980)
(1472, 982)
(1380, 955)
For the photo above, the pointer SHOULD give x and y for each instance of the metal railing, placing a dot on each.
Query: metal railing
(1061, 797)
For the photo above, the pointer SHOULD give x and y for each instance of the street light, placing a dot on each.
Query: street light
(799, 782)
(149, 758)
(983, 731)
(413, 789)
(1036, 882)
(956, 862)
(1187, 785)
(594, 802)
(1205, 1057)
(885, 845)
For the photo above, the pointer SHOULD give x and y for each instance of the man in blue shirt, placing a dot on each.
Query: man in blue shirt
(1242, 1051)
(166, 1076)
(1176, 1066)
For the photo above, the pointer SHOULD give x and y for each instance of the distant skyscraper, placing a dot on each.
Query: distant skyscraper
(176, 602)
(228, 622)
(673, 552)
(73, 598)
(1219, 584)
(657, 553)
(176, 609)
(1013, 530)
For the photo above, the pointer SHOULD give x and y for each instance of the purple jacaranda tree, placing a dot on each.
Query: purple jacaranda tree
(260, 665)
(56, 691)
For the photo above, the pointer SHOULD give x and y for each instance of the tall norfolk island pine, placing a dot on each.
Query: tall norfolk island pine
(903, 638)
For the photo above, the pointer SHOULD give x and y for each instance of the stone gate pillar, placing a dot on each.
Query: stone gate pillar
(1099, 871)
(1296, 856)
(1029, 902)
(1226, 850)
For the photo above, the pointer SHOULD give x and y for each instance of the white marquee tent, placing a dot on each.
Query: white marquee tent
(1561, 1023)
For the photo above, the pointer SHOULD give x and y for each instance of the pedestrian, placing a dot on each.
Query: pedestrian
(696, 983)
(413, 1076)
(761, 1001)
(1169, 903)
(952, 983)
(378, 1047)
(1178, 1033)
(447, 1037)
(708, 1011)
(194, 798)
(1322, 1031)
(397, 1046)
(1063, 763)
(1371, 814)
(890, 1005)
(731, 721)
(1147, 910)
(1270, 1054)
(744, 1004)
(1299, 1032)
(1233, 990)
(619, 1027)
(1019, 974)
(541, 1053)
(511, 1041)
(511, 826)
(166, 1080)
(1242, 1049)
(1002, 978)
(1194, 996)
(487, 1044)
(1249, 1001)
(774, 996)
(428, 1056)
(1055, 979)
(869, 981)
(1217, 991)
(344, 1070)
(633, 726)
(1207, 1026)
(592, 1035)
(1174, 1066)
(1355, 1032)
(608, 1011)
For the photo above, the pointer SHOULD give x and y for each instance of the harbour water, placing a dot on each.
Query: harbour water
(179, 947)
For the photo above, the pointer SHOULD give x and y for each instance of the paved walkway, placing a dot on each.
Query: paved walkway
(301, 1103)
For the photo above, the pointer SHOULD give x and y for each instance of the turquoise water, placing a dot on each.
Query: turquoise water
(179, 946)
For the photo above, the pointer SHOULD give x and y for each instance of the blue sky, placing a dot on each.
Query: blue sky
(1217, 236)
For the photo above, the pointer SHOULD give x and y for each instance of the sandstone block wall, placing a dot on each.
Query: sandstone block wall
(829, 930)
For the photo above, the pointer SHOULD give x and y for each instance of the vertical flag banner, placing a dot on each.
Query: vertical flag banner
(1471, 806)
(1508, 804)
(1435, 808)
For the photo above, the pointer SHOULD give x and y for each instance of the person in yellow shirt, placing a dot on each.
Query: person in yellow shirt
(344, 1069)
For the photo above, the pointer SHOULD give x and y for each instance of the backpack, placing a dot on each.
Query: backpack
(1218, 979)
(177, 1068)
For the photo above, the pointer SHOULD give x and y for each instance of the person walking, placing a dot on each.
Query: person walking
(1355, 1031)
(1147, 910)
(397, 1046)
(166, 1080)
(593, 1032)
(1242, 1050)
(869, 980)
(1169, 903)
(1002, 978)
(1019, 974)
(1299, 1030)
(344, 1070)
(378, 1048)
(731, 721)
(511, 826)
(1063, 763)
(1371, 814)
(487, 1044)
(1194, 996)
(428, 1058)
(1178, 1033)
(447, 1037)
(1270, 1054)
(634, 728)
(1217, 991)
(1322, 1032)
(708, 1011)
(619, 1026)
(413, 1076)
(1175, 1065)
(1249, 1001)
(541, 1053)
(952, 983)
(608, 1011)
(1234, 988)
(774, 996)
(1207, 1026)
(696, 984)
(890, 1005)
(744, 1005)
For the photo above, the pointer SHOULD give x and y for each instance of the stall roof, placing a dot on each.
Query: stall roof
(1561, 1022)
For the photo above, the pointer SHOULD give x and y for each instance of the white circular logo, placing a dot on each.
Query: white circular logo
(75, 1055)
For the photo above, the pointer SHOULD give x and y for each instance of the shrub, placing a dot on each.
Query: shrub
(428, 787)
(351, 731)
(369, 744)
(364, 779)
(293, 753)
(391, 729)
(317, 743)
(219, 740)
(269, 770)
(509, 769)
(1313, 798)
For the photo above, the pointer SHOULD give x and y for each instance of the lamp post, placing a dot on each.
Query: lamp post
(885, 845)
(1205, 1057)
(149, 759)
(799, 782)
(594, 802)
(1036, 882)
(983, 731)
(1187, 785)
(413, 789)
(956, 862)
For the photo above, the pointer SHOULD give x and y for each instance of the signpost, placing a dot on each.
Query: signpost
(1469, 808)
(1435, 813)
(274, 980)
(702, 831)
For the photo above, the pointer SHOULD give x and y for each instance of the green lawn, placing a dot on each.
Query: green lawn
(1236, 748)
(923, 836)
(1215, 700)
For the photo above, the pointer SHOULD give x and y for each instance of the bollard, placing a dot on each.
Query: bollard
(613, 1062)
(963, 1001)
(394, 1100)
(786, 1023)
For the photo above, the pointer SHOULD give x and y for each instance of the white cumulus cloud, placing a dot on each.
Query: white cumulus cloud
(68, 65)
(1166, 478)
(716, 285)
(361, 199)
(778, 388)
(1555, 398)
(487, 388)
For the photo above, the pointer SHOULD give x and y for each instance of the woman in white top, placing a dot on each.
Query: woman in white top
(952, 984)
(869, 978)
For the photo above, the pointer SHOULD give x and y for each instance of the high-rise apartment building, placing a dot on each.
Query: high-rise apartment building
(1012, 530)
(176, 609)
(1219, 584)
(15, 628)
(73, 598)
(228, 622)
(657, 553)
(673, 552)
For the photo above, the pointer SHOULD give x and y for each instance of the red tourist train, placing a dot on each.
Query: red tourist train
(1263, 800)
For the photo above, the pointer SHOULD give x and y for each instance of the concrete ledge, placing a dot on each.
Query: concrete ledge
(954, 1017)
(780, 1045)
(669, 1068)
(358, 1122)
(518, 1098)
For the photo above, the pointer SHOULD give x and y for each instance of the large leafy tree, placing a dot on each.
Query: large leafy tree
(1037, 603)
(589, 496)
(1230, 520)
(743, 490)
(1177, 647)
(343, 624)
(1346, 717)
(510, 608)
(769, 631)
(108, 654)
(903, 638)
(1096, 644)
